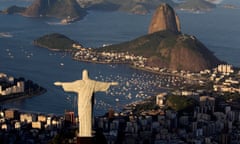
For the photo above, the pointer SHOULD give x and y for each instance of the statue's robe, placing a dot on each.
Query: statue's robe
(85, 89)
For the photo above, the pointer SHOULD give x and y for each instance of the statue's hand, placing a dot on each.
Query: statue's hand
(114, 83)
(57, 83)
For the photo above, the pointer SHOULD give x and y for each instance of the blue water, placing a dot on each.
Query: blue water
(218, 30)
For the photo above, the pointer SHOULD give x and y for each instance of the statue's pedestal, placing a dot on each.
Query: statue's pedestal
(84, 140)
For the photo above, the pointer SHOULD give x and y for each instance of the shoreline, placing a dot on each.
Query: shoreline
(18, 96)
(130, 65)
(98, 62)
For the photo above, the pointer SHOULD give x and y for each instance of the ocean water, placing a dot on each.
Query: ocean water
(218, 30)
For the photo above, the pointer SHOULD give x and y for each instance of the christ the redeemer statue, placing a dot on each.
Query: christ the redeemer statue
(85, 89)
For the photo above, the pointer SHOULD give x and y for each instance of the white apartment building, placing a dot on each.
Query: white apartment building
(27, 118)
(18, 88)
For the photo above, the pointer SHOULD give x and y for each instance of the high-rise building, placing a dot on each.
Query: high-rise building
(69, 117)
(28, 118)
(42, 118)
(225, 68)
(160, 99)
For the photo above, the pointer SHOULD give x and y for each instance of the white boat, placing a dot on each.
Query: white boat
(5, 34)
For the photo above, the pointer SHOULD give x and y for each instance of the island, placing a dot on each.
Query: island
(57, 42)
(13, 9)
(67, 10)
(17, 88)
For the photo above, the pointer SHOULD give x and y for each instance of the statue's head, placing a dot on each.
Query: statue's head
(85, 75)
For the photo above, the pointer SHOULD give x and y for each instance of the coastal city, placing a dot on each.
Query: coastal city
(212, 118)
(88, 54)
(160, 72)
(196, 108)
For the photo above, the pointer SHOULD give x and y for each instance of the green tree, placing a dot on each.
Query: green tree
(180, 103)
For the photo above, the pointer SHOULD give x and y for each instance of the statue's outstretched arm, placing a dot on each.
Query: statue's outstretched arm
(114, 83)
(58, 84)
(69, 86)
(104, 86)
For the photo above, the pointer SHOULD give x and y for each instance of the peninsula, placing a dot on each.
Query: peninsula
(17, 88)
(166, 47)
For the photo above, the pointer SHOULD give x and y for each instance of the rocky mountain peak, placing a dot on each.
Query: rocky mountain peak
(164, 18)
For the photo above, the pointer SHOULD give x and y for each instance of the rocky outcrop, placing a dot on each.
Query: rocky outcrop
(37, 8)
(55, 8)
(164, 18)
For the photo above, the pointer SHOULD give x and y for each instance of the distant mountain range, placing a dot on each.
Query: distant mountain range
(132, 6)
(196, 5)
(77, 9)
(145, 6)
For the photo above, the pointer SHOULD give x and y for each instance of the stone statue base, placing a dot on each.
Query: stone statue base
(85, 140)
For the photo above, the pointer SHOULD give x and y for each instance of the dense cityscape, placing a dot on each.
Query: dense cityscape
(203, 109)
(180, 92)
